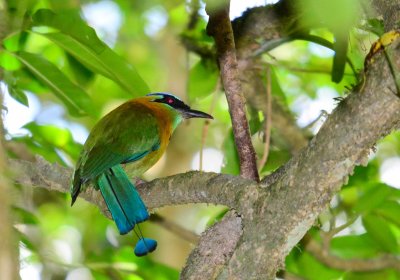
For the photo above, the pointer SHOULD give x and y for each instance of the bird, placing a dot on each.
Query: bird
(135, 133)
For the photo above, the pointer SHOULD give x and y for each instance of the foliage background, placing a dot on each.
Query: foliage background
(58, 242)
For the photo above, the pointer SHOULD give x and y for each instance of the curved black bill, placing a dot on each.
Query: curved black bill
(196, 114)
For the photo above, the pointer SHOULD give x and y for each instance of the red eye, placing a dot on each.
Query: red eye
(170, 100)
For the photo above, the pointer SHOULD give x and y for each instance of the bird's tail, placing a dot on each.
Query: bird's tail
(125, 205)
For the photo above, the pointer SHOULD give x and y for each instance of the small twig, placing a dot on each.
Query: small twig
(360, 265)
(323, 114)
(327, 236)
(175, 228)
(310, 71)
(268, 122)
(219, 27)
(392, 71)
(271, 44)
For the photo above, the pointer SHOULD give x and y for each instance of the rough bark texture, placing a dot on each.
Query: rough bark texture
(270, 217)
(344, 141)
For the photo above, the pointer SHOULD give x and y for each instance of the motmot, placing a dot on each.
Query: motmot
(136, 133)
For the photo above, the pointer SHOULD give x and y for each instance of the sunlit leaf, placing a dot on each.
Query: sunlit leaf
(376, 26)
(55, 137)
(45, 150)
(390, 210)
(354, 246)
(380, 231)
(18, 95)
(276, 89)
(69, 22)
(203, 79)
(80, 40)
(74, 98)
(307, 267)
(216, 217)
(9, 62)
(373, 198)
(82, 74)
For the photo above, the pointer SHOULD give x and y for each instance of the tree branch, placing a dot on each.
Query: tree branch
(219, 27)
(266, 23)
(178, 230)
(359, 265)
(190, 187)
(344, 141)
(216, 247)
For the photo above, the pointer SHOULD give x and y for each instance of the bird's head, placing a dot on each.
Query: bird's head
(177, 105)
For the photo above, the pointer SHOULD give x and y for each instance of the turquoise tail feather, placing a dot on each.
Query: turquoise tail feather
(145, 246)
(122, 199)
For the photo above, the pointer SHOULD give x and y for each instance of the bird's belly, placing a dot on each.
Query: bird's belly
(137, 168)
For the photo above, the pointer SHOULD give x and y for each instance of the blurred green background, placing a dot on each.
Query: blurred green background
(50, 112)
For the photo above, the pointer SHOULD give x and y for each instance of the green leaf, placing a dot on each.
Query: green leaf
(81, 41)
(276, 87)
(216, 217)
(307, 267)
(106, 63)
(69, 22)
(380, 231)
(254, 120)
(75, 99)
(145, 267)
(231, 158)
(390, 210)
(82, 74)
(354, 246)
(25, 216)
(386, 274)
(18, 95)
(373, 198)
(276, 158)
(46, 150)
(9, 62)
(55, 144)
(376, 26)
(203, 79)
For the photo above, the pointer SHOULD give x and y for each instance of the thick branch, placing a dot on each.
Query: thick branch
(190, 187)
(311, 178)
(219, 26)
(388, 10)
(216, 247)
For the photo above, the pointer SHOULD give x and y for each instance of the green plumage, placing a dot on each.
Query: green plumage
(136, 133)
(129, 130)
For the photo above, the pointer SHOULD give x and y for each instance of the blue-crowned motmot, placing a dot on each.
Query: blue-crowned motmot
(137, 132)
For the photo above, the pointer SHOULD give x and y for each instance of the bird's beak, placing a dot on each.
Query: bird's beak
(187, 114)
